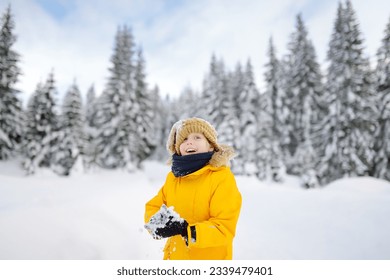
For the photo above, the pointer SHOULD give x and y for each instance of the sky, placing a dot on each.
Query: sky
(75, 39)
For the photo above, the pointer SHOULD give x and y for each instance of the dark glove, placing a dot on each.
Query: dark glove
(173, 228)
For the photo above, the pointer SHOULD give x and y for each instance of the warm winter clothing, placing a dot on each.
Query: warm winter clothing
(182, 166)
(181, 129)
(173, 228)
(208, 199)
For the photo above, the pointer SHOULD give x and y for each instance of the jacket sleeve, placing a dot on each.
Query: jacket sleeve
(153, 205)
(225, 206)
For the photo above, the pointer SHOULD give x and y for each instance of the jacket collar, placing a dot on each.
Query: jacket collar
(222, 157)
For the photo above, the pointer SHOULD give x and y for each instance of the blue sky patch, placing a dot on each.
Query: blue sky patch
(57, 9)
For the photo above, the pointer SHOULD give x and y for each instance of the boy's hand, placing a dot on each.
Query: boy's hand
(172, 228)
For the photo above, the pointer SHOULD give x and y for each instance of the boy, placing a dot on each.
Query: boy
(202, 191)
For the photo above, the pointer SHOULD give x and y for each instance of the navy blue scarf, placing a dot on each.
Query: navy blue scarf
(184, 165)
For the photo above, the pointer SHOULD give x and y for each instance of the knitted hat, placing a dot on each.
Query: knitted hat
(183, 128)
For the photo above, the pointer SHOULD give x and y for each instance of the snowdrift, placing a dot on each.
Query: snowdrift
(99, 215)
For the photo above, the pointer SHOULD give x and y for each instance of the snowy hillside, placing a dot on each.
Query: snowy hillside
(99, 215)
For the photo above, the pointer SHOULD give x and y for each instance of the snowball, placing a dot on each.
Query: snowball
(161, 218)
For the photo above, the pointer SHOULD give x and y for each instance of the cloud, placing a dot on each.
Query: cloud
(225, 28)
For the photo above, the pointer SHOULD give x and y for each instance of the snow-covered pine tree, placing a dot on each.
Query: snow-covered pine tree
(362, 103)
(66, 152)
(247, 106)
(227, 123)
(303, 84)
(382, 158)
(11, 115)
(115, 126)
(32, 140)
(305, 152)
(90, 111)
(320, 111)
(41, 127)
(187, 104)
(229, 111)
(162, 124)
(73, 116)
(176, 110)
(71, 138)
(144, 116)
(90, 108)
(350, 125)
(263, 139)
(329, 167)
(211, 92)
(53, 124)
(275, 96)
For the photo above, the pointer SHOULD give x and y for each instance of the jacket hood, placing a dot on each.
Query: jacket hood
(223, 156)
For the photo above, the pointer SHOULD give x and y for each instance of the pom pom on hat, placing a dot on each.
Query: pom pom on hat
(181, 129)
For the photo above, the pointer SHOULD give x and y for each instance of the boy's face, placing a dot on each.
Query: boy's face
(195, 143)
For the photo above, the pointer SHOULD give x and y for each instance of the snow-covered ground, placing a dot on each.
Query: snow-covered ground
(99, 215)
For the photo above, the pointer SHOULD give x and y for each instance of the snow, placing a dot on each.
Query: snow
(99, 215)
(161, 218)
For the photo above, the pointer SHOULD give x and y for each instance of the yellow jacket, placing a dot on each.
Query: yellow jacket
(207, 199)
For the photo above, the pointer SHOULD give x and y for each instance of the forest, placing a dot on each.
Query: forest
(318, 123)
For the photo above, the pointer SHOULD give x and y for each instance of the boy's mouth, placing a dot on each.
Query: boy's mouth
(190, 150)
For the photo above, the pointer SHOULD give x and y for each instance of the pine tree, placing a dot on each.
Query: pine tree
(115, 126)
(303, 84)
(264, 145)
(227, 121)
(71, 138)
(73, 116)
(91, 114)
(329, 168)
(275, 97)
(382, 161)
(187, 104)
(11, 116)
(90, 107)
(363, 104)
(350, 125)
(33, 139)
(247, 106)
(42, 127)
(229, 115)
(305, 153)
(145, 117)
(66, 152)
(211, 92)
(162, 124)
